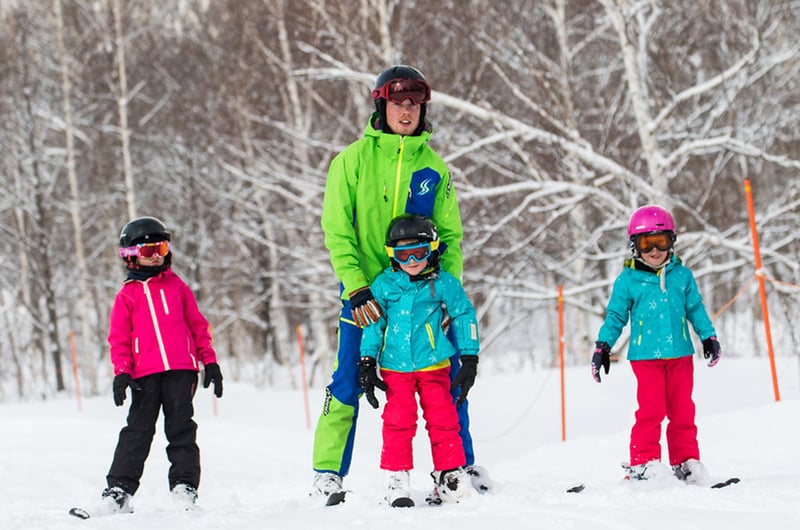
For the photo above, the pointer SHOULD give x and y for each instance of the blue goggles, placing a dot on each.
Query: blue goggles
(421, 251)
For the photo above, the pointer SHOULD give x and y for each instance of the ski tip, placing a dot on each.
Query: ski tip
(335, 498)
(576, 488)
(80, 513)
(724, 483)
(403, 502)
(433, 499)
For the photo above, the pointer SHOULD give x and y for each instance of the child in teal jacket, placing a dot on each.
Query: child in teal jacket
(659, 296)
(409, 343)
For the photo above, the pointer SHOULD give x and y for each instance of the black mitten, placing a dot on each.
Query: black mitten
(465, 377)
(368, 379)
(121, 383)
(601, 357)
(712, 350)
(213, 375)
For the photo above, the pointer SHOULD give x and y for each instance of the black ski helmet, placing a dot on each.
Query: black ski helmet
(414, 226)
(411, 226)
(143, 230)
(397, 71)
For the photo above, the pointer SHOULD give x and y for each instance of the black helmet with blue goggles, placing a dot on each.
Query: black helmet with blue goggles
(411, 237)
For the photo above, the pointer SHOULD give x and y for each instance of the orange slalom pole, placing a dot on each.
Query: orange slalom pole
(74, 351)
(561, 360)
(761, 286)
(303, 374)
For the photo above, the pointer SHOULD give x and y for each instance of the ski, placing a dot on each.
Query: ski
(577, 488)
(83, 513)
(337, 497)
(80, 513)
(403, 502)
(725, 483)
(433, 498)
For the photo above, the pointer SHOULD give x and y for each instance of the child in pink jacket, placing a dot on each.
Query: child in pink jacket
(158, 340)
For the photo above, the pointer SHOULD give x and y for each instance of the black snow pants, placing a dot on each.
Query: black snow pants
(173, 391)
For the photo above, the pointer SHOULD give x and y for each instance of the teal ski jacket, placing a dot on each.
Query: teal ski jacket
(660, 308)
(409, 337)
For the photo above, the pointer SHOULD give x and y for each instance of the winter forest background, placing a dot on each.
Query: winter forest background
(556, 117)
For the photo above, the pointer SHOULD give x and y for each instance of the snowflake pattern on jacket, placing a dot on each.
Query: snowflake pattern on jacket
(412, 321)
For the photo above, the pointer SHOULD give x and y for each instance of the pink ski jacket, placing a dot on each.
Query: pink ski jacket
(155, 326)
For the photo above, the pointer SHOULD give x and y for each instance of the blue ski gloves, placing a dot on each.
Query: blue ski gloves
(364, 308)
(121, 383)
(601, 358)
(465, 377)
(213, 375)
(368, 379)
(712, 350)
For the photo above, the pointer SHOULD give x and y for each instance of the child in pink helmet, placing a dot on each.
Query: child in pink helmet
(660, 298)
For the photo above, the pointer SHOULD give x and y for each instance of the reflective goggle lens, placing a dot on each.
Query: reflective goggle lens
(416, 251)
(146, 250)
(400, 90)
(647, 242)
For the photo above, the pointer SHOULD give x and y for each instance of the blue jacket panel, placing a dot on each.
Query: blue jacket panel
(409, 337)
(660, 307)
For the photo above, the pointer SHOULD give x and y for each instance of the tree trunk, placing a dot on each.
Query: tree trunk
(122, 106)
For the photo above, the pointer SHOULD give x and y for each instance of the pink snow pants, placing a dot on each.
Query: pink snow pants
(400, 419)
(664, 390)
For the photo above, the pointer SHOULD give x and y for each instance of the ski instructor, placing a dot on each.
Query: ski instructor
(390, 171)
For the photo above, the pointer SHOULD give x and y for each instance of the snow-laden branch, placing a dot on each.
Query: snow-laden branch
(263, 184)
(743, 148)
(707, 85)
(515, 128)
(583, 152)
(543, 189)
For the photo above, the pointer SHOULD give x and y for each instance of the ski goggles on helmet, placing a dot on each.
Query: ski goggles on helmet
(663, 241)
(399, 90)
(146, 250)
(421, 251)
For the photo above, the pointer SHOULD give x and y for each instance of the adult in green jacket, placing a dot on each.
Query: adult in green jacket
(390, 171)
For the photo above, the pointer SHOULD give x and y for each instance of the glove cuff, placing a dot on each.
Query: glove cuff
(360, 296)
(469, 359)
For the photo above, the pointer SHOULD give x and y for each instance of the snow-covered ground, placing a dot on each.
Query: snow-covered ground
(256, 451)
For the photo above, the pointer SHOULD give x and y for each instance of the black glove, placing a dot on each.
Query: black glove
(213, 375)
(712, 350)
(365, 309)
(368, 379)
(465, 377)
(121, 382)
(600, 358)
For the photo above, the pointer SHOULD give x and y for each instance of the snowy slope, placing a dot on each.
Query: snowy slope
(256, 454)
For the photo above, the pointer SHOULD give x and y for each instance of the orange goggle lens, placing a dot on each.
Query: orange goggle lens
(146, 250)
(647, 242)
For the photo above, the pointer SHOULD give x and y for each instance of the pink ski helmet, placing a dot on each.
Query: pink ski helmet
(650, 218)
